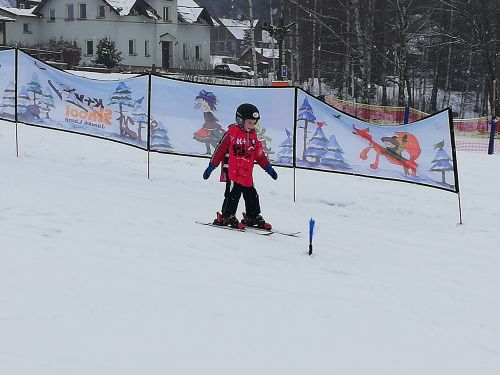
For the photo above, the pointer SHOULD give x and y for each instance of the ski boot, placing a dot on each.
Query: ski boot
(231, 221)
(257, 221)
(220, 220)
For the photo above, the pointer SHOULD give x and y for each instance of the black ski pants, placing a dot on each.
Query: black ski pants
(232, 197)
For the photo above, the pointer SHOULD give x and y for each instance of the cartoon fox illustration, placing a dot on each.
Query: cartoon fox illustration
(402, 141)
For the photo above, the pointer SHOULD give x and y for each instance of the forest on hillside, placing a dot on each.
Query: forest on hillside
(363, 48)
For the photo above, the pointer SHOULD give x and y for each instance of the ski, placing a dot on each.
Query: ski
(261, 232)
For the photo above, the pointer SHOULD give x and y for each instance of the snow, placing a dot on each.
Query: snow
(103, 271)
(268, 53)
(189, 10)
(237, 27)
(18, 12)
(122, 6)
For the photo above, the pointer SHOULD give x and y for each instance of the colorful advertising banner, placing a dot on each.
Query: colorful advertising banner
(190, 118)
(420, 152)
(7, 84)
(115, 110)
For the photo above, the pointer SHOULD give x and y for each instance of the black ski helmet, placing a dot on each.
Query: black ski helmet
(247, 111)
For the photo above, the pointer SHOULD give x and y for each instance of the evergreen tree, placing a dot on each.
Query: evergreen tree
(441, 162)
(47, 102)
(285, 155)
(23, 100)
(305, 114)
(247, 41)
(264, 139)
(160, 140)
(141, 118)
(35, 88)
(107, 54)
(8, 105)
(316, 147)
(122, 97)
(333, 156)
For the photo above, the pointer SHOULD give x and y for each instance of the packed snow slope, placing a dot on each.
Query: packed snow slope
(105, 272)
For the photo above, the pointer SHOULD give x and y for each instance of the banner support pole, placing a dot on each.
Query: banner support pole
(491, 144)
(15, 98)
(460, 208)
(149, 121)
(294, 164)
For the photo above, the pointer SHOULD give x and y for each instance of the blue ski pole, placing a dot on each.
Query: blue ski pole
(311, 231)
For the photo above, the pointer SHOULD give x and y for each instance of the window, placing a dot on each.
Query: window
(101, 11)
(197, 52)
(146, 48)
(166, 13)
(89, 47)
(27, 28)
(70, 12)
(185, 51)
(131, 47)
(52, 15)
(82, 11)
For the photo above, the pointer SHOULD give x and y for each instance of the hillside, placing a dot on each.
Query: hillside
(104, 272)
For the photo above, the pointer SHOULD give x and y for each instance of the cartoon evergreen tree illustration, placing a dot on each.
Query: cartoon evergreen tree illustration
(47, 102)
(8, 105)
(264, 138)
(316, 147)
(35, 88)
(159, 137)
(285, 155)
(23, 100)
(122, 97)
(333, 156)
(305, 114)
(141, 118)
(441, 162)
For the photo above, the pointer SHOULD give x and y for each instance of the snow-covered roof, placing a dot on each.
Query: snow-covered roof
(18, 12)
(189, 10)
(266, 37)
(268, 52)
(123, 7)
(237, 27)
(7, 19)
(264, 52)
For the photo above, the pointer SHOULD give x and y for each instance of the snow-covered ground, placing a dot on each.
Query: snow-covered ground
(104, 272)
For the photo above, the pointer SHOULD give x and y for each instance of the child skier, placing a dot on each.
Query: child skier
(239, 148)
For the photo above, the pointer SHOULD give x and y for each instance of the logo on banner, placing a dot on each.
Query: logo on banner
(82, 109)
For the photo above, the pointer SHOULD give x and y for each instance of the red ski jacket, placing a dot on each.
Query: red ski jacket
(243, 149)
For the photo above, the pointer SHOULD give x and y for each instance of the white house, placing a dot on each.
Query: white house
(168, 33)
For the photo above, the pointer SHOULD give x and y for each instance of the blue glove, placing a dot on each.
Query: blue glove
(208, 171)
(271, 172)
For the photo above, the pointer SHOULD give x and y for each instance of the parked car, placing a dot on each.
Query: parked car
(247, 69)
(230, 70)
